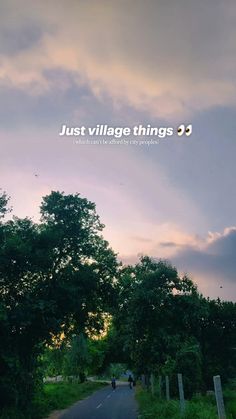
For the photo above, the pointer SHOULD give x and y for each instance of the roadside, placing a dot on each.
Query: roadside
(56, 397)
(199, 407)
(56, 414)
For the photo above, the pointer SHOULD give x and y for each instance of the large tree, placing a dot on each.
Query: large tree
(55, 276)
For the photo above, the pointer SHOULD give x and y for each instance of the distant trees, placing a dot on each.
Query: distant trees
(76, 358)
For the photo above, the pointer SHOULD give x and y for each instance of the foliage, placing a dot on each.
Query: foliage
(189, 363)
(116, 369)
(56, 276)
(61, 395)
(97, 349)
(78, 355)
(4, 199)
(147, 312)
(60, 284)
(199, 407)
(53, 397)
(218, 340)
(76, 358)
(52, 361)
(230, 399)
(153, 408)
(164, 325)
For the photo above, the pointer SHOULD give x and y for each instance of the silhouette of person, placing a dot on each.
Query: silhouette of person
(113, 382)
(130, 380)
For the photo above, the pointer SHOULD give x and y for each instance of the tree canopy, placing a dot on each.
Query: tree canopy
(55, 276)
(60, 283)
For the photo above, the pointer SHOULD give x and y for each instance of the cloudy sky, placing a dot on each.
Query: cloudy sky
(122, 63)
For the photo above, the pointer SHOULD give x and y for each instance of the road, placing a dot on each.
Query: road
(105, 404)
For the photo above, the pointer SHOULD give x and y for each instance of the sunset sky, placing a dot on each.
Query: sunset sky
(123, 63)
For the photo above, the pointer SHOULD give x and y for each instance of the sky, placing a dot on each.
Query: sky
(125, 63)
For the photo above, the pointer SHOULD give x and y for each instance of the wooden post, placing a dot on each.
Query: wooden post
(167, 388)
(181, 393)
(152, 383)
(159, 385)
(143, 380)
(219, 397)
(147, 381)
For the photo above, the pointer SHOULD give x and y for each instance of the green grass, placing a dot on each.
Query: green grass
(152, 408)
(55, 396)
(230, 401)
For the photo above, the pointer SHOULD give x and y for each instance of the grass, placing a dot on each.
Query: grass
(55, 396)
(202, 407)
(230, 401)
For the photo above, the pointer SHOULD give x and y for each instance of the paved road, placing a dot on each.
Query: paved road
(105, 404)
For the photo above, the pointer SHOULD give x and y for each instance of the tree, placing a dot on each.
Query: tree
(189, 362)
(4, 199)
(148, 295)
(97, 349)
(165, 326)
(56, 276)
(218, 341)
(76, 358)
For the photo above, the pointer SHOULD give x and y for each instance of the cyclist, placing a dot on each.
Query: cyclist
(130, 380)
(113, 382)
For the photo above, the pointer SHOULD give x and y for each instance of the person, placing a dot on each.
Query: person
(113, 382)
(130, 380)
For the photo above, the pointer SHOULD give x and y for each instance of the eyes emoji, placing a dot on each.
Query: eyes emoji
(184, 130)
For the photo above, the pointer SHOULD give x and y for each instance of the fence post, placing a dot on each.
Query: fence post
(159, 385)
(181, 393)
(152, 383)
(167, 388)
(219, 397)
